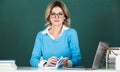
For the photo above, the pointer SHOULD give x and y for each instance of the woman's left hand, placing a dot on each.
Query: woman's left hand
(65, 62)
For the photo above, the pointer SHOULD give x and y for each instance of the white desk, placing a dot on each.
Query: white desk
(32, 69)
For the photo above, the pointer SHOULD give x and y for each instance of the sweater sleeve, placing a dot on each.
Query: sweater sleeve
(36, 53)
(75, 50)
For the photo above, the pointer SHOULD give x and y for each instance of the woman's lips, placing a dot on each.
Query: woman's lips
(56, 20)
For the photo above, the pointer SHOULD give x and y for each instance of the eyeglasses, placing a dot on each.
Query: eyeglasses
(53, 15)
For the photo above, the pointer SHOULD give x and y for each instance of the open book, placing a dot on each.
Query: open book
(58, 64)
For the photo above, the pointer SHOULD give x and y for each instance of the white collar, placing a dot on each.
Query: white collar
(46, 30)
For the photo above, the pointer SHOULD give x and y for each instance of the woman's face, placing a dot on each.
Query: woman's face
(57, 16)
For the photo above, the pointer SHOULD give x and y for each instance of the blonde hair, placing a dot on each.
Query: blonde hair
(64, 9)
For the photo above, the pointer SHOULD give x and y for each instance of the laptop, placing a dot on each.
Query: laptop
(98, 59)
(100, 55)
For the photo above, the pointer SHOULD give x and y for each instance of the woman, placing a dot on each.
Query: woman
(57, 40)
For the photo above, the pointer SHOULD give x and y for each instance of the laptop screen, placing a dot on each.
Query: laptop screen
(100, 55)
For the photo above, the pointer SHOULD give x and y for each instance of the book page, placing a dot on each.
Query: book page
(59, 63)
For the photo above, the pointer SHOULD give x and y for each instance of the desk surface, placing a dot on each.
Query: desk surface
(33, 69)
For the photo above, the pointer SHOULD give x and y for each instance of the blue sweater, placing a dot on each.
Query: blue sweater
(66, 45)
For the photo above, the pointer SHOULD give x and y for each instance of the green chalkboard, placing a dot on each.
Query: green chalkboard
(21, 20)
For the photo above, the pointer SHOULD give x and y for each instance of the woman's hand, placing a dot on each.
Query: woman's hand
(51, 61)
(65, 62)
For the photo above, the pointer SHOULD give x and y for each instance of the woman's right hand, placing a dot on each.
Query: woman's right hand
(51, 61)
